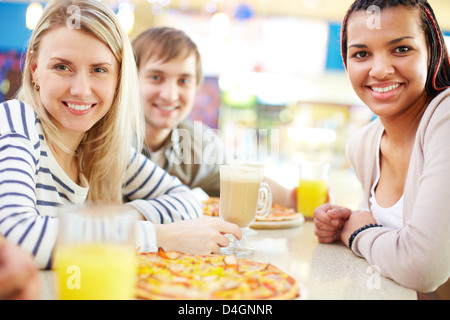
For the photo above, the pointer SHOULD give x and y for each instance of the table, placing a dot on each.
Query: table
(325, 271)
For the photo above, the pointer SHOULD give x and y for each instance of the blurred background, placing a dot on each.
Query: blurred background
(275, 87)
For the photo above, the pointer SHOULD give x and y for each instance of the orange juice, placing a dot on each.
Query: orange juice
(310, 195)
(96, 271)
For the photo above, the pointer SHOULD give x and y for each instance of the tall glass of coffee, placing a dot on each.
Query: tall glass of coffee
(243, 197)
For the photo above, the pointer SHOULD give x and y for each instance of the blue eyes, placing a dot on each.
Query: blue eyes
(62, 67)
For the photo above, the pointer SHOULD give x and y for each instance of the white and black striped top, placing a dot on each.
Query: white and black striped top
(33, 186)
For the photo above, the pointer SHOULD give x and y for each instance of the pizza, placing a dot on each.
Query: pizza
(179, 276)
(211, 206)
(280, 213)
(277, 212)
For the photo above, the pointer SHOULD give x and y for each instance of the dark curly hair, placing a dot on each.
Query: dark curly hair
(439, 71)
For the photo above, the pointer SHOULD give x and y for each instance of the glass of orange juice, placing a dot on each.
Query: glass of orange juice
(312, 190)
(95, 256)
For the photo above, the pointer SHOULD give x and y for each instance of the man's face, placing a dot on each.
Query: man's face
(168, 91)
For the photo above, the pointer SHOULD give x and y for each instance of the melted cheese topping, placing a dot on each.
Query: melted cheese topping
(210, 277)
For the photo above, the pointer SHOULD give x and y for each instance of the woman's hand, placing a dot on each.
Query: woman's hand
(329, 221)
(356, 221)
(197, 236)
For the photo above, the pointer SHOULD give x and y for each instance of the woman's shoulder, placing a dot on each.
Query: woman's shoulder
(16, 104)
(18, 117)
(437, 111)
(16, 109)
(441, 101)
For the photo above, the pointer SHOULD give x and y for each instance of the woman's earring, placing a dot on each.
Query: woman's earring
(36, 86)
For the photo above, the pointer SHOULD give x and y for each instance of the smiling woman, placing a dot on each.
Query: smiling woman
(63, 63)
(83, 83)
(401, 70)
(388, 66)
(75, 136)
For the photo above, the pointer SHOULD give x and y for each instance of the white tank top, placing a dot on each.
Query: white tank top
(391, 217)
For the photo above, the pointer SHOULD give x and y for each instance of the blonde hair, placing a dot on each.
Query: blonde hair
(105, 150)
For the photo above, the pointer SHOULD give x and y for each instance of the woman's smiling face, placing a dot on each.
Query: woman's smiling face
(388, 66)
(77, 75)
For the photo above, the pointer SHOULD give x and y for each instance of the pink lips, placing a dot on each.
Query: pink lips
(78, 109)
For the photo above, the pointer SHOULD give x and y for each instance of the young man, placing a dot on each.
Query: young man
(170, 72)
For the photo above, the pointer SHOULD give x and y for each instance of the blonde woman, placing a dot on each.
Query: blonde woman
(72, 137)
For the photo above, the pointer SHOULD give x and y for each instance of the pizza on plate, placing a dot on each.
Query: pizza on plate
(277, 212)
(179, 276)
(280, 213)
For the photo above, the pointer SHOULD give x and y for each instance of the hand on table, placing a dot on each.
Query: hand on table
(334, 223)
(197, 236)
(19, 279)
(329, 221)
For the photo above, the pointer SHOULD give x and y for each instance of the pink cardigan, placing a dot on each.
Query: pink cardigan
(416, 256)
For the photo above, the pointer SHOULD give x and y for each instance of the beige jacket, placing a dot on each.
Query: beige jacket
(193, 153)
(418, 255)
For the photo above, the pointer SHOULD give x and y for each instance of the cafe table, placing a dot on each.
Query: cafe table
(324, 271)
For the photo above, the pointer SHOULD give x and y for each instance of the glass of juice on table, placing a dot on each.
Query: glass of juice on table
(312, 190)
(95, 256)
(243, 197)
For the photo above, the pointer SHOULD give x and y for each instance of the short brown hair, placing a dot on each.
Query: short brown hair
(165, 43)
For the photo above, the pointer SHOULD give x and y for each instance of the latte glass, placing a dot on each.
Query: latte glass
(243, 197)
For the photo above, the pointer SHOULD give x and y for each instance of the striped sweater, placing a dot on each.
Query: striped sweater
(33, 187)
